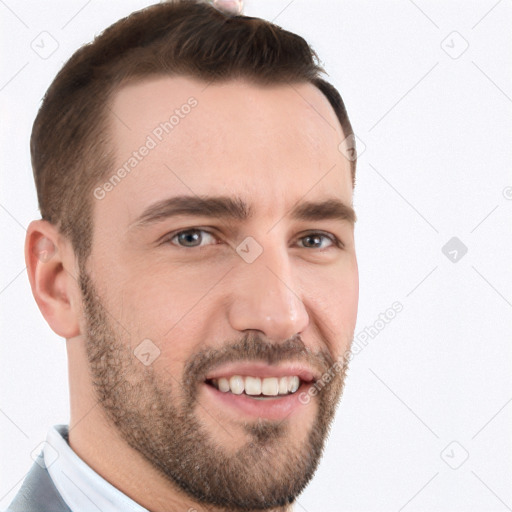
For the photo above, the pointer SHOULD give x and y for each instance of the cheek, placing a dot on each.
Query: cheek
(351, 293)
(163, 305)
(337, 298)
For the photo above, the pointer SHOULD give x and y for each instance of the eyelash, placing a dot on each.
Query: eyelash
(169, 237)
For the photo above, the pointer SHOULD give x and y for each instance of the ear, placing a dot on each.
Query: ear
(53, 275)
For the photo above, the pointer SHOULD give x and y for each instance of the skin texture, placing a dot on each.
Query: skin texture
(152, 431)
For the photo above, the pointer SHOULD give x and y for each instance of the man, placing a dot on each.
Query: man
(196, 250)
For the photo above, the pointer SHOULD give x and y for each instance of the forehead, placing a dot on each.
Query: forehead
(176, 135)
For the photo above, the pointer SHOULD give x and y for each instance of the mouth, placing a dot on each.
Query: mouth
(258, 389)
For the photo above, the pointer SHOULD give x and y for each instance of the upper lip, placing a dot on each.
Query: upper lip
(305, 373)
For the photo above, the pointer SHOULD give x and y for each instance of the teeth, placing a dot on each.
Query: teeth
(236, 384)
(254, 386)
(270, 386)
(293, 384)
(223, 385)
(283, 386)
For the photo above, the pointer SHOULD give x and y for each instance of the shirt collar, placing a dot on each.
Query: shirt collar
(79, 485)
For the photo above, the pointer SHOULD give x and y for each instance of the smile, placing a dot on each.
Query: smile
(256, 389)
(256, 386)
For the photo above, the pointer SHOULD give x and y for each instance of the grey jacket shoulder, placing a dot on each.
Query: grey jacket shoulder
(38, 492)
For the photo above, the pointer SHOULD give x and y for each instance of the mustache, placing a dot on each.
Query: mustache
(254, 348)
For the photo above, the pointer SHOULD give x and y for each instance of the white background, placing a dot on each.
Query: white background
(437, 132)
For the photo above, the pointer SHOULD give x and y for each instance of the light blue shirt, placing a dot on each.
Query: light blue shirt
(79, 485)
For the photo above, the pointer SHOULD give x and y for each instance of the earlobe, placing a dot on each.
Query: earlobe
(50, 267)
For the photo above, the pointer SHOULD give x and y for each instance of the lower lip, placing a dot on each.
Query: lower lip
(277, 408)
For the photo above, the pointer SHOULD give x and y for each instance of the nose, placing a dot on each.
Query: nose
(267, 297)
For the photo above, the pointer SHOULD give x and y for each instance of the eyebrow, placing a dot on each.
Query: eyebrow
(236, 209)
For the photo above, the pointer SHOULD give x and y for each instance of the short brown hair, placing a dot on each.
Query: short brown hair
(70, 146)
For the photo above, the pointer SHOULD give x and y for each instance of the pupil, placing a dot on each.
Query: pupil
(187, 236)
(316, 238)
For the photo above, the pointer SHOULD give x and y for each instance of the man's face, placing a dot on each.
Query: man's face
(212, 307)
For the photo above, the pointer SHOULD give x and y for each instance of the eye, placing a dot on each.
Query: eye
(190, 237)
(193, 237)
(314, 240)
